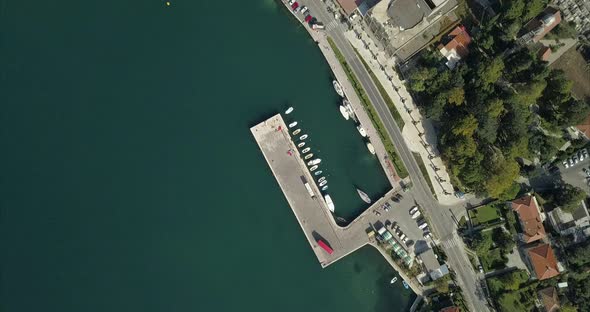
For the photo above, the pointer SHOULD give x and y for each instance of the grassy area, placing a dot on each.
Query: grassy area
(424, 172)
(394, 112)
(397, 162)
(484, 214)
(573, 64)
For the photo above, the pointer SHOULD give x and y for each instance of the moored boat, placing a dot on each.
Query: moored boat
(302, 144)
(406, 286)
(296, 132)
(364, 196)
(361, 131)
(325, 246)
(318, 172)
(338, 88)
(321, 179)
(344, 112)
(305, 150)
(303, 137)
(308, 156)
(314, 162)
(324, 188)
(289, 110)
(313, 168)
(393, 280)
(371, 148)
(329, 202)
(293, 124)
(323, 183)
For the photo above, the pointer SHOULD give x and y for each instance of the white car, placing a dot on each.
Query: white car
(570, 161)
(304, 9)
(427, 235)
(565, 164)
(423, 226)
(291, 2)
(402, 237)
(413, 210)
(416, 214)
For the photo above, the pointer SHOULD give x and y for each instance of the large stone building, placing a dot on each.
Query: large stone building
(407, 26)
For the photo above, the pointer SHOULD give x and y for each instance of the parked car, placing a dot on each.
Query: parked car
(575, 159)
(413, 210)
(427, 235)
(398, 196)
(416, 214)
(291, 2)
(423, 226)
(565, 164)
(581, 156)
(402, 237)
(409, 243)
(304, 9)
(480, 268)
(570, 161)
(395, 199)
(405, 239)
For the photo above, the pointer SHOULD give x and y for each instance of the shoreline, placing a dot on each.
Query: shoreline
(321, 39)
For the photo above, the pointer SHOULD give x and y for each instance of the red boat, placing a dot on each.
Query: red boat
(308, 18)
(325, 246)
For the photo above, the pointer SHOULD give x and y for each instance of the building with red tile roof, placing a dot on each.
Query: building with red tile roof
(549, 299)
(454, 46)
(542, 261)
(544, 53)
(349, 6)
(584, 127)
(530, 217)
(539, 26)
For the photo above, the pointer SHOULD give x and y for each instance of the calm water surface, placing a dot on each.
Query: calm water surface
(130, 180)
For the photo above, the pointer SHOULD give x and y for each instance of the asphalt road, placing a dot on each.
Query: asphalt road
(441, 220)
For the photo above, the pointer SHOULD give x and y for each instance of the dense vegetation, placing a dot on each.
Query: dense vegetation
(499, 105)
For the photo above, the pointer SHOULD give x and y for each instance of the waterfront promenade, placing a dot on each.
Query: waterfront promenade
(316, 221)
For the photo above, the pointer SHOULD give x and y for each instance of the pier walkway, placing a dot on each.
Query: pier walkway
(312, 213)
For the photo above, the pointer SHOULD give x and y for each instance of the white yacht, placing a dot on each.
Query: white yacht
(289, 110)
(313, 168)
(371, 148)
(303, 137)
(329, 202)
(321, 179)
(393, 280)
(314, 162)
(323, 183)
(338, 88)
(361, 131)
(296, 132)
(318, 172)
(324, 188)
(302, 144)
(293, 124)
(364, 196)
(344, 112)
(308, 156)
(305, 150)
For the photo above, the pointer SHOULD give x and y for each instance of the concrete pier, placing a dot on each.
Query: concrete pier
(311, 211)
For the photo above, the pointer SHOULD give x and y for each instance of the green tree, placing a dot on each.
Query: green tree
(466, 126)
(481, 243)
(503, 239)
(491, 72)
(495, 107)
(569, 197)
(419, 78)
(533, 8)
(513, 9)
(456, 96)
(501, 175)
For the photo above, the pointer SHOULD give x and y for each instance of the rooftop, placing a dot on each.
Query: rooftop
(549, 299)
(349, 5)
(528, 212)
(584, 127)
(543, 23)
(407, 13)
(543, 261)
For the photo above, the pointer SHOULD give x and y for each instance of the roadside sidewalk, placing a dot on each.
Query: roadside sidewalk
(417, 131)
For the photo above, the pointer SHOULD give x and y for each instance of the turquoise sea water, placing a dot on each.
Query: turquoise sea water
(130, 180)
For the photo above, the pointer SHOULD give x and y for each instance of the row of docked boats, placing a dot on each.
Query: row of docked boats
(347, 113)
(312, 163)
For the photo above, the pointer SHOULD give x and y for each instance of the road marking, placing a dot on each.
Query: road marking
(331, 25)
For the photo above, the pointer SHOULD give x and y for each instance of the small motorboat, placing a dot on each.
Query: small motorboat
(344, 112)
(406, 286)
(318, 172)
(364, 196)
(362, 131)
(314, 162)
(296, 132)
(305, 150)
(324, 188)
(289, 110)
(302, 144)
(313, 168)
(321, 179)
(303, 137)
(323, 183)
(329, 202)
(308, 156)
(338, 88)
(371, 148)
(293, 124)
(393, 280)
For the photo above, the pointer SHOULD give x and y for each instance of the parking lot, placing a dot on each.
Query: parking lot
(573, 173)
